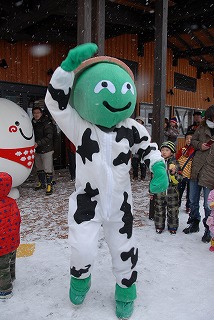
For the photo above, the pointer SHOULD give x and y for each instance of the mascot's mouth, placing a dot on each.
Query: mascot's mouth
(24, 136)
(105, 103)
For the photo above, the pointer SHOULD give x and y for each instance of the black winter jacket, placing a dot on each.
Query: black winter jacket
(44, 134)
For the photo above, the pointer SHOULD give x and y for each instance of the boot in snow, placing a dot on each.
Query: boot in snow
(49, 178)
(193, 227)
(190, 220)
(124, 298)
(79, 289)
(42, 180)
(206, 237)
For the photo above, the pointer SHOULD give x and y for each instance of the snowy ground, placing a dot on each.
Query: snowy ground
(175, 279)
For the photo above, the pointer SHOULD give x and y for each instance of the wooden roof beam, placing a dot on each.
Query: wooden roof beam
(188, 47)
(120, 15)
(199, 42)
(208, 34)
(204, 67)
(186, 10)
(194, 52)
(28, 18)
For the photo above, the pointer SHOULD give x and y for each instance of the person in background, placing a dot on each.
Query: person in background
(167, 203)
(202, 177)
(71, 152)
(172, 131)
(136, 162)
(210, 219)
(44, 144)
(10, 221)
(166, 127)
(185, 156)
(197, 119)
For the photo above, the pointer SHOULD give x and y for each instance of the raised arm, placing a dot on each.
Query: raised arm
(59, 89)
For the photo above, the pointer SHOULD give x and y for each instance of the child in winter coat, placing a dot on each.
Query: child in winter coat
(9, 236)
(169, 199)
(185, 156)
(210, 219)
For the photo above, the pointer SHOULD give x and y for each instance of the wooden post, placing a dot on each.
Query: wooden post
(98, 25)
(161, 13)
(83, 21)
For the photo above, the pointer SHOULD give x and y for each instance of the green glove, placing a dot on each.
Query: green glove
(77, 55)
(160, 181)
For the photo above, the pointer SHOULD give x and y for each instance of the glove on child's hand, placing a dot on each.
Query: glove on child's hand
(77, 55)
(160, 181)
(173, 179)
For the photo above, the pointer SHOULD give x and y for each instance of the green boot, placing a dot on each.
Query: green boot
(124, 298)
(78, 289)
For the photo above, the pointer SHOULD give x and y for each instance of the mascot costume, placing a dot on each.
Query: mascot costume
(91, 100)
(16, 144)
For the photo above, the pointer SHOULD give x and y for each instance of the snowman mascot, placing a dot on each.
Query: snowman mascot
(16, 144)
(91, 100)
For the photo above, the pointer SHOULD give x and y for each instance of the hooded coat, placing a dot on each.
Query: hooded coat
(203, 161)
(10, 218)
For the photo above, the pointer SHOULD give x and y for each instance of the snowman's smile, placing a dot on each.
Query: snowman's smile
(24, 136)
(14, 128)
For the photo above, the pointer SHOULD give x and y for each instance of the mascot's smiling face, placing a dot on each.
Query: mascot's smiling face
(104, 94)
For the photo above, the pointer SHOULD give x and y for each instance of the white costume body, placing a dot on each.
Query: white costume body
(110, 183)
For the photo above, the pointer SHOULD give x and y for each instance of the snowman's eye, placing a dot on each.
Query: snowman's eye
(127, 86)
(104, 84)
(17, 123)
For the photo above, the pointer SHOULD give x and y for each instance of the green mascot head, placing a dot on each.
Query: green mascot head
(104, 92)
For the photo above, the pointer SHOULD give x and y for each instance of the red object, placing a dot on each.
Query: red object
(70, 145)
(10, 218)
(174, 120)
(23, 156)
(186, 151)
(210, 142)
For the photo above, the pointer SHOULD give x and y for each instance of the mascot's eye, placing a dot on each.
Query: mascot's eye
(126, 87)
(17, 123)
(104, 84)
